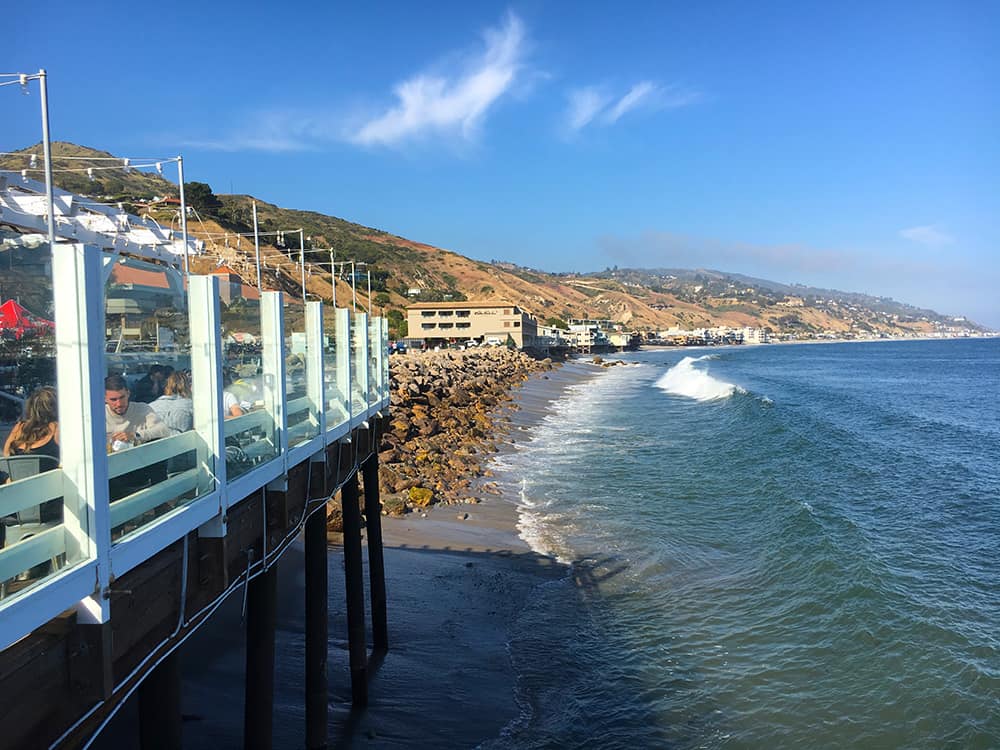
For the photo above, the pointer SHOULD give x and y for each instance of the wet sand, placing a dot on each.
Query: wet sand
(454, 587)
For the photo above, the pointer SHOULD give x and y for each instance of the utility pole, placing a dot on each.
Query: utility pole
(47, 148)
(302, 262)
(184, 218)
(256, 242)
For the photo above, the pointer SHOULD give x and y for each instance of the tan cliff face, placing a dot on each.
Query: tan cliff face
(405, 271)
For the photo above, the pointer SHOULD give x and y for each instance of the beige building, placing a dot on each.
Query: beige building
(484, 322)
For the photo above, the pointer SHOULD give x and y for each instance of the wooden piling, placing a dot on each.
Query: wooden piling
(262, 608)
(316, 629)
(354, 586)
(376, 564)
(160, 706)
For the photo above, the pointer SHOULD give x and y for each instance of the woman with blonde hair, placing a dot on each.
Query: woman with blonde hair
(175, 406)
(38, 432)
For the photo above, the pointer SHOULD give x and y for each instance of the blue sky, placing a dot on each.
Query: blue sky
(852, 146)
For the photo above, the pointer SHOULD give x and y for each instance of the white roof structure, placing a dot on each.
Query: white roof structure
(23, 205)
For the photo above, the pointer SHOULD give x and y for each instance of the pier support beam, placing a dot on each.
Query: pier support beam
(262, 609)
(376, 564)
(316, 630)
(160, 707)
(355, 589)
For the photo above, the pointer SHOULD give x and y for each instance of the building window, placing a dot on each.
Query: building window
(446, 312)
(508, 311)
(425, 326)
(427, 313)
(463, 313)
(446, 325)
(463, 325)
(506, 324)
(517, 324)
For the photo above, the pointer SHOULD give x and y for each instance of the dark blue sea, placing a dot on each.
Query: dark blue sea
(769, 547)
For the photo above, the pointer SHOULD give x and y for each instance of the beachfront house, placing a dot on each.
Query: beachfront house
(443, 323)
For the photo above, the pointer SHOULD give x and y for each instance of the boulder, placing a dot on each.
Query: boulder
(421, 496)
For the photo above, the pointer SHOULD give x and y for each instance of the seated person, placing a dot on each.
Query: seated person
(36, 435)
(129, 421)
(231, 405)
(175, 406)
(151, 385)
(38, 432)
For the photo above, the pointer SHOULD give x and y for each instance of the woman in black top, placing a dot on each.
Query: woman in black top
(38, 432)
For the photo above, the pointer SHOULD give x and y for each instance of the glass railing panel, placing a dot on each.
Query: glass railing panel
(374, 342)
(32, 536)
(334, 396)
(157, 463)
(359, 365)
(385, 359)
(302, 415)
(249, 428)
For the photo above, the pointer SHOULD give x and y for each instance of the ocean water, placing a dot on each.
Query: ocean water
(779, 546)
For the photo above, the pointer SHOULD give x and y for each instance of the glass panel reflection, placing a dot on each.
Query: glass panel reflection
(156, 463)
(249, 426)
(302, 414)
(359, 367)
(334, 394)
(32, 539)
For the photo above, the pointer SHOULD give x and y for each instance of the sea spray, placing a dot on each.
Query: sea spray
(684, 379)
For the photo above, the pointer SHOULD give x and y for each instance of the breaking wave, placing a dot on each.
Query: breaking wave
(684, 379)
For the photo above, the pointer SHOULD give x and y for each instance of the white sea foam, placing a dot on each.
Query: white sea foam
(575, 421)
(684, 379)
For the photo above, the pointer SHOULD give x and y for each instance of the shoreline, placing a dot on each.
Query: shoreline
(490, 523)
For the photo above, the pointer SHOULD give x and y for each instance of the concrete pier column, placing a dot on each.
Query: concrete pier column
(355, 588)
(376, 564)
(316, 630)
(262, 610)
(160, 707)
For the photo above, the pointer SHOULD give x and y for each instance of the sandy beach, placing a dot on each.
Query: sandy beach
(455, 585)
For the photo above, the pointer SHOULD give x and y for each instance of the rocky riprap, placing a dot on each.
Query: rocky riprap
(445, 421)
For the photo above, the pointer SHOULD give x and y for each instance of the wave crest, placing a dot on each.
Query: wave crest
(684, 379)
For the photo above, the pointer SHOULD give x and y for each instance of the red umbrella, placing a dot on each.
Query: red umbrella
(16, 318)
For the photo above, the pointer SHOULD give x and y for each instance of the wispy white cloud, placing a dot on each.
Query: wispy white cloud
(930, 235)
(276, 132)
(584, 104)
(667, 249)
(630, 101)
(451, 104)
(592, 104)
(454, 100)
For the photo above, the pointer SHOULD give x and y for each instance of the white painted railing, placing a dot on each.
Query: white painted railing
(120, 509)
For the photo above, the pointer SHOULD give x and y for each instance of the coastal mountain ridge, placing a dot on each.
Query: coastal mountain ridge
(402, 271)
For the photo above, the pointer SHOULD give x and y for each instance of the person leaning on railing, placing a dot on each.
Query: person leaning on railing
(129, 422)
